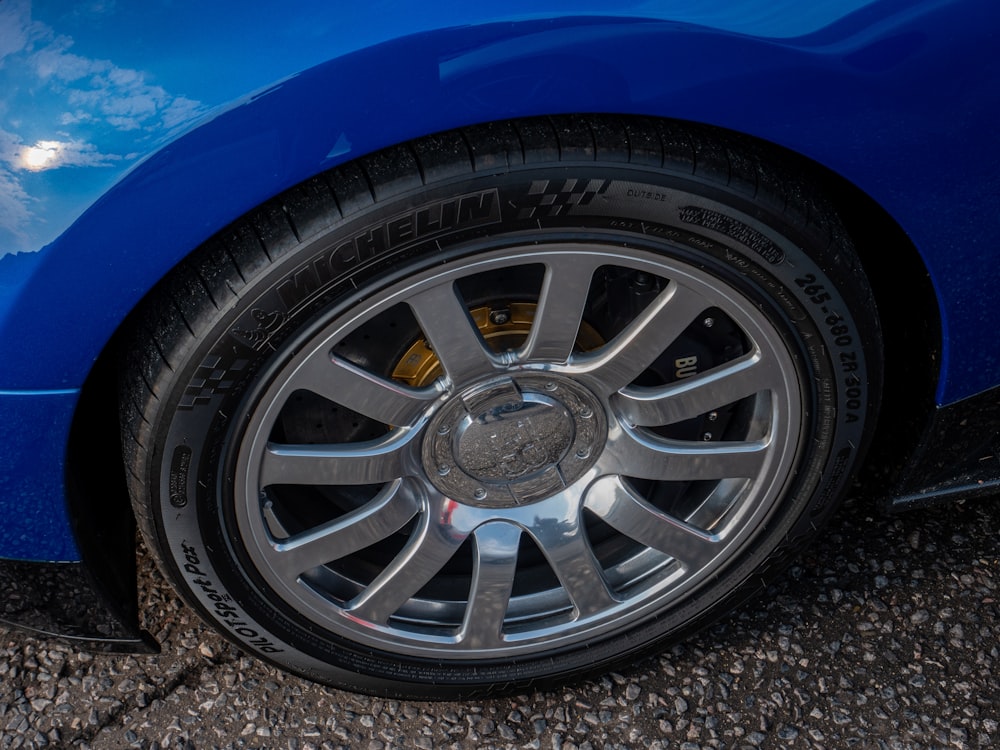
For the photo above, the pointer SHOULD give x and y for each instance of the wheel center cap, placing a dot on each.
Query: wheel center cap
(514, 440)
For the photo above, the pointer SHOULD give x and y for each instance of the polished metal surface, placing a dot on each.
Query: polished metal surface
(515, 440)
(528, 498)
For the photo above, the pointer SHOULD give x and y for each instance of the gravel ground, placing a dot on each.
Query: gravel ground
(885, 635)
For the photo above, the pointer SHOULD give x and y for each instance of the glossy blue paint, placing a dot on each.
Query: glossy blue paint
(847, 94)
(35, 526)
(887, 94)
(90, 88)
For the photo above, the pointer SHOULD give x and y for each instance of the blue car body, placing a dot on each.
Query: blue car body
(129, 136)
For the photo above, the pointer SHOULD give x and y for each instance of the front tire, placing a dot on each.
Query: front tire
(501, 407)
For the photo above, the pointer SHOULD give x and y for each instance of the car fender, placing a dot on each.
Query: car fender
(821, 93)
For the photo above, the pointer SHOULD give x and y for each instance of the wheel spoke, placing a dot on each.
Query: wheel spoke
(622, 360)
(700, 393)
(383, 516)
(619, 507)
(434, 541)
(560, 308)
(644, 456)
(452, 334)
(347, 384)
(494, 564)
(370, 462)
(564, 543)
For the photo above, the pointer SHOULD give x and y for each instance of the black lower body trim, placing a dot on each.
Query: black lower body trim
(60, 600)
(957, 458)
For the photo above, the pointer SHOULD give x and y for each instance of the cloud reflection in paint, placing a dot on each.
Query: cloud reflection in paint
(53, 154)
(62, 110)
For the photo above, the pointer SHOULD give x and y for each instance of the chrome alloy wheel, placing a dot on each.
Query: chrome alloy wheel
(538, 494)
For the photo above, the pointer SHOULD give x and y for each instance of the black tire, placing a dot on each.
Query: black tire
(501, 407)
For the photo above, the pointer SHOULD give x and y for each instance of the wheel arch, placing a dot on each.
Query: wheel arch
(295, 128)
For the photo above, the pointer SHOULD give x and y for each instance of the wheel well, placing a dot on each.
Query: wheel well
(102, 513)
(911, 332)
(97, 496)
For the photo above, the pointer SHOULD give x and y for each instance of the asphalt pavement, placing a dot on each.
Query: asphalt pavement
(885, 635)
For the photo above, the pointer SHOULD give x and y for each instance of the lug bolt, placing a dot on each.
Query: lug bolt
(550, 386)
(443, 429)
(583, 453)
(707, 436)
(586, 412)
(479, 494)
(443, 470)
(499, 317)
(708, 322)
(712, 416)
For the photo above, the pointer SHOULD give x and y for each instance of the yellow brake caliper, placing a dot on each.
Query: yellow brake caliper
(503, 328)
